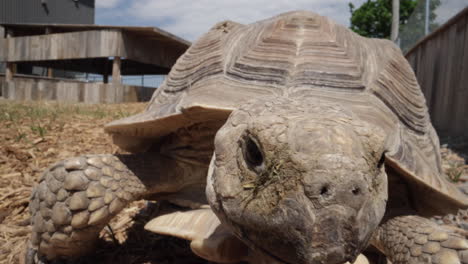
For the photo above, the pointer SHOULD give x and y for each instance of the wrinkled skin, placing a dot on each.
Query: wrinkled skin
(302, 181)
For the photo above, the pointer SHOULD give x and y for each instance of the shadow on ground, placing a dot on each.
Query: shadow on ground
(141, 246)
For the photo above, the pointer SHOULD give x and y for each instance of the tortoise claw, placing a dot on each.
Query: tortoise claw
(31, 256)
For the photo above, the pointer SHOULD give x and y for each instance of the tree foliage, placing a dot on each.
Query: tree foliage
(374, 17)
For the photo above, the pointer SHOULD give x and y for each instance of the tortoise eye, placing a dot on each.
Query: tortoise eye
(252, 154)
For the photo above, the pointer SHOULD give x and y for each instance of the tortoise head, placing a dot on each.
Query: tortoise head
(302, 181)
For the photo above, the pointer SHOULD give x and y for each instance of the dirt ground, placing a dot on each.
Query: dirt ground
(34, 135)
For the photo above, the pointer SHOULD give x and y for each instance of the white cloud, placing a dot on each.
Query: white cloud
(107, 3)
(191, 18)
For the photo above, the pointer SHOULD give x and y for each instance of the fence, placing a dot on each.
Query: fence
(440, 61)
(41, 88)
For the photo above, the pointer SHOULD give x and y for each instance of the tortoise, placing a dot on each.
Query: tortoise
(311, 141)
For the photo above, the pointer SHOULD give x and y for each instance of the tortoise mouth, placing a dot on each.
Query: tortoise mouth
(294, 234)
(296, 230)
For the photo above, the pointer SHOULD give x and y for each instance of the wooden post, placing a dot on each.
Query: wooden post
(116, 78)
(395, 20)
(10, 66)
(105, 75)
(50, 72)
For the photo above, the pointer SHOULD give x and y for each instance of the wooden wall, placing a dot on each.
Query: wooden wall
(74, 45)
(91, 44)
(25, 88)
(151, 51)
(440, 62)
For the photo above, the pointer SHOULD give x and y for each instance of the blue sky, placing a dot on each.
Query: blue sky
(191, 18)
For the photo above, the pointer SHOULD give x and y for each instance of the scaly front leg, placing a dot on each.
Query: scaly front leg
(77, 197)
(414, 239)
(74, 200)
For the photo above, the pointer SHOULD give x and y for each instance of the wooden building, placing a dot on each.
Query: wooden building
(47, 11)
(105, 50)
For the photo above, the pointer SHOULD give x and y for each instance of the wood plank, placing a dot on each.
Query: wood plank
(439, 63)
(9, 71)
(448, 81)
(463, 89)
(143, 51)
(429, 69)
(456, 73)
(10, 66)
(4, 89)
(11, 91)
(74, 45)
(3, 49)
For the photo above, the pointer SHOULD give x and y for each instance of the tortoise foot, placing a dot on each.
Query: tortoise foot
(413, 239)
(31, 256)
(74, 200)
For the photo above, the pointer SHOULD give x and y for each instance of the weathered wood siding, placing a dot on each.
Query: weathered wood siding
(154, 52)
(23, 88)
(74, 45)
(440, 62)
(90, 44)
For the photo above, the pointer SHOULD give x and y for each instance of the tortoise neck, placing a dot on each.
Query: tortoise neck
(162, 174)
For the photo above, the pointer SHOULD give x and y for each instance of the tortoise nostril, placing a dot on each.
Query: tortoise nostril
(325, 190)
(356, 190)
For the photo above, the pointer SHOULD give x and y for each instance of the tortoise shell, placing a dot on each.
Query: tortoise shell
(301, 54)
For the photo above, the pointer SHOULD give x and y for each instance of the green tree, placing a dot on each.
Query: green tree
(374, 17)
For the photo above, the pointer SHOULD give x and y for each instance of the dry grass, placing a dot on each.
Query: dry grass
(34, 135)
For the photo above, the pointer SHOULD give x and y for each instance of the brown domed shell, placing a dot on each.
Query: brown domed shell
(301, 54)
